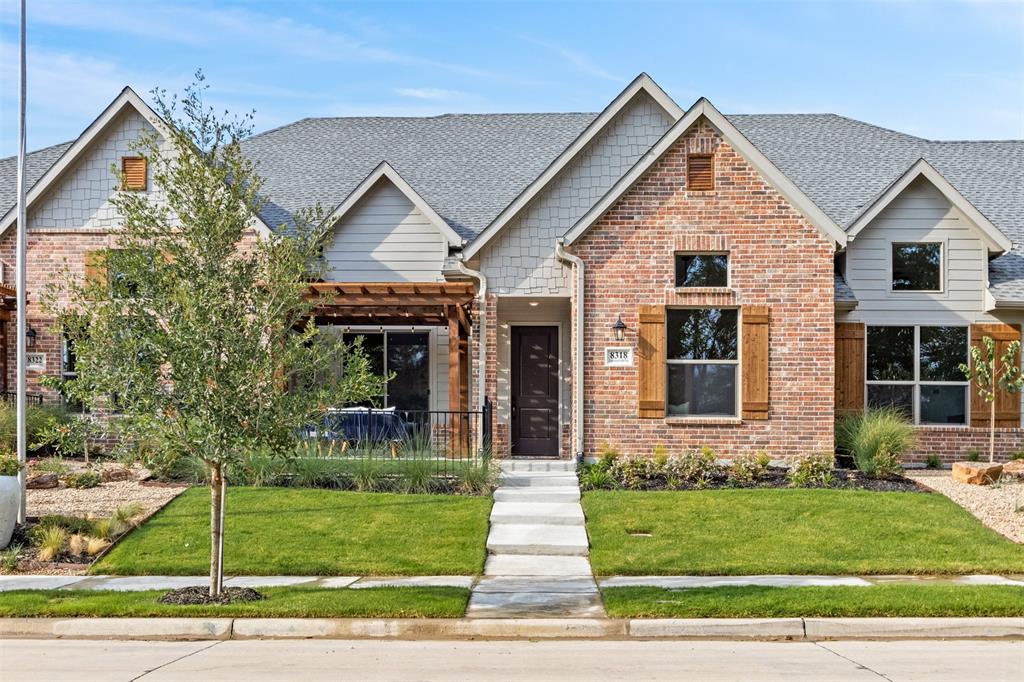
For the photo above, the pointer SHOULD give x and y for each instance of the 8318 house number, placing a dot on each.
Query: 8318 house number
(618, 357)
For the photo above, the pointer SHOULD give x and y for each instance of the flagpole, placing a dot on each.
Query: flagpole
(20, 281)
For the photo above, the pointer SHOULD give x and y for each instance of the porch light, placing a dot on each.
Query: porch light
(30, 338)
(619, 329)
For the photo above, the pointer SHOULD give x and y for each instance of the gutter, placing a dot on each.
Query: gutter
(577, 380)
(481, 346)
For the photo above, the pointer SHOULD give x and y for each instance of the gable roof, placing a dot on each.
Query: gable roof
(996, 240)
(641, 84)
(385, 171)
(36, 163)
(703, 109)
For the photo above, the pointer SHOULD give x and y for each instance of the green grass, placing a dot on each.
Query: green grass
(780, 602)
(746, 532)
(290, 531)
(279, 602)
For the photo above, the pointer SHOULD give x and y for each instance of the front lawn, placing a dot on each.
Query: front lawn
(293, 531)
(796, 602)
(278, 602)
(748, 532)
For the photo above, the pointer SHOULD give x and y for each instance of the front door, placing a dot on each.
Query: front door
(534, 425)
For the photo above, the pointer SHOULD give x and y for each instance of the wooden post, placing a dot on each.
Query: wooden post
(454, 381)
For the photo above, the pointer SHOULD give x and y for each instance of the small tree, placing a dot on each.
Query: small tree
(199, 336)
(993, 374)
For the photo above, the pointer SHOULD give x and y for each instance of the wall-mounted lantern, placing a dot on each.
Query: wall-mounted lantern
(30, 338)
(619, 329)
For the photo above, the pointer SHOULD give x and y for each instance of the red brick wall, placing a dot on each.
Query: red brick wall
(953, 444)
(776, 258)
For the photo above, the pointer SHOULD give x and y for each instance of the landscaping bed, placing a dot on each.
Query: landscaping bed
(999, 506)
(795, 531)
(797, 602)
(277, 602)
(290, 531)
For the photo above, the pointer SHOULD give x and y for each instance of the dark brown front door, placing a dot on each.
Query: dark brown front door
(535, 391)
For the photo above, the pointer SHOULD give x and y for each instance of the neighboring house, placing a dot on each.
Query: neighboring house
(642, 276)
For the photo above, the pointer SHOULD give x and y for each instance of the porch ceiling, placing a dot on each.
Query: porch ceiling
(393, 303)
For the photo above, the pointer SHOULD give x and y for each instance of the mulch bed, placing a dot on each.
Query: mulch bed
(843, 479)
(192, 596)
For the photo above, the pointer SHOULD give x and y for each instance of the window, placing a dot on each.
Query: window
(702, 270)
(917, 370)
(700, 172)
(407, 356)
(917, 267)
(69, 371)
(702, 352)
(133, 171)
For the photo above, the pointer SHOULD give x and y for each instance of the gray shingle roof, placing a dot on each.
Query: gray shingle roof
(36, 164)
(468, 167)
(843, 290)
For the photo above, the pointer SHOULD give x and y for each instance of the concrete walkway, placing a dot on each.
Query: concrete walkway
(537, 564)
(139, 583)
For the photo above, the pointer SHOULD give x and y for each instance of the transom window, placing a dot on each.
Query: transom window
(407, 356)
(702, 352)
(702, 270)
(917, 370)
(917, 267)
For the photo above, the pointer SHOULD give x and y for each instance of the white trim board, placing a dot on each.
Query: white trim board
(703, 108)
(995, 239)
(642, 83)
(386, 170)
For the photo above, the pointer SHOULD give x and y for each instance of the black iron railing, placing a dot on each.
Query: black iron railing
(30, 398)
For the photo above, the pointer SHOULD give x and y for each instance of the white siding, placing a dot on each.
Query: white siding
(385, 238)
(919, 213)
(521, 261)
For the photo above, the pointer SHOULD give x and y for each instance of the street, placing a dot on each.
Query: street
(308, 660)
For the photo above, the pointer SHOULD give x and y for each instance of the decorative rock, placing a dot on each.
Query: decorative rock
(41, 481)
(976, 473)
(117, 474)
(1014, 468)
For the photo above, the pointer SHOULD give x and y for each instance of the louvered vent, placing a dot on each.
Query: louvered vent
(700, 172)
(134, 170)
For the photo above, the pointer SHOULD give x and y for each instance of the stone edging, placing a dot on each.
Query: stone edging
(784, 629)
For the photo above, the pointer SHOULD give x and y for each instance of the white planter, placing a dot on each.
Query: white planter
(9, 491)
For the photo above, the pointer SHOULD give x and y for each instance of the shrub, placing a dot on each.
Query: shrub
(104, 529)
(660, 456)
(633, 473)
(95, 546)
(933, 462)
(9, 465)
(695, 469)
(596, 477)
(877, 440)
(416, 476)
(478, 479)
(1017, 455)
(368, 476)
(974, 455)
(607, 455)
(77, 545)
(813, 471)
(9, 559)
(37, 418)
(51, 543)
(51, 465)
(749, 469)
(83, 480)
(128, 516)
(71, 524)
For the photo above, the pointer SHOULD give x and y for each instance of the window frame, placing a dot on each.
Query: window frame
(428, 332)
(728, 269)
(916, 383)
(738, 363)
(942, 271)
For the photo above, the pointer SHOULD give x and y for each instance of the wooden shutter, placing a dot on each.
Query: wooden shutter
(651, 362)
(1007, 405)
(700, 172)
(133, 168)
(849, 361)
(754, 364)
(96, 266)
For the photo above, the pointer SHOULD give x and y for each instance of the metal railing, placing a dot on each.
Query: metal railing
(30, 398)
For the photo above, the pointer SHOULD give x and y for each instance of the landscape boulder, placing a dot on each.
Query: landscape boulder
(976, 473)
(1014, 468)
(41, 481)
(117, 474)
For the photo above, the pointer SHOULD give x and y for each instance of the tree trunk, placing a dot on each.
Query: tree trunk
(992, 431)
(216, 528)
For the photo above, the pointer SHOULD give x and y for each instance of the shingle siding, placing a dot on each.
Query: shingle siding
(521, 261)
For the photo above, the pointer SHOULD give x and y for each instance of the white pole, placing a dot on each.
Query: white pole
(20, 279)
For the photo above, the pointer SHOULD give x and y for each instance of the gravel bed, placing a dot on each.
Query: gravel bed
(101, 500)
(994, 505)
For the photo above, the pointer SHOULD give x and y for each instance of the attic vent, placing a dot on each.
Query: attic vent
(134, 170)
(700, 172)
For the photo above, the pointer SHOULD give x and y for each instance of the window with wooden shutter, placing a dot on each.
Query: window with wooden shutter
(96, 267)
(133, 170)
(754, 366)
(700, 172)
(1007, 404)
(849, 368)
(651, 362)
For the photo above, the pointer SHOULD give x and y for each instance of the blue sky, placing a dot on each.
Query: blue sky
(948, 70)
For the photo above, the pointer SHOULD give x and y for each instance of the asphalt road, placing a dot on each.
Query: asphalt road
(622, 661)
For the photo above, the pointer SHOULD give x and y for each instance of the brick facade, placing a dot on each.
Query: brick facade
(954, 444)
(777, 259)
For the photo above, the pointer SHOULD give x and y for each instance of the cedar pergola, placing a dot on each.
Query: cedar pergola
(432, 304)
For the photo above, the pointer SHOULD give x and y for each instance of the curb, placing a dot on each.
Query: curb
(767, 629)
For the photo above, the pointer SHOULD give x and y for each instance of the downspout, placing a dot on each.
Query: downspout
(481, 346)
(577, 380)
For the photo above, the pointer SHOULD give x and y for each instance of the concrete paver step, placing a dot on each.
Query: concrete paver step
(539, 565)
(537, 539)
(534, 605)
(563, 465)
(543, 479)
(582, 584)
(547, 495)
(548, 513)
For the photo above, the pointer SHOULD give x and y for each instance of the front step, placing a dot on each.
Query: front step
(531, 538)
(536, 565)
(550, 479)
(547, 513)
(543, 495)
(563, 465)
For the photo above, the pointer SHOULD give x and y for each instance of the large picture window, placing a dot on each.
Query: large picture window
(406, 355)
(917, 370)
(702, 352)
(702, 270)
(917, 267)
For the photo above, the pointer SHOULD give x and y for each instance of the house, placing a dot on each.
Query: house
(649, 274)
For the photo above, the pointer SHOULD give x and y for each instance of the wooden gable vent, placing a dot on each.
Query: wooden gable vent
(700, 172)
(133, 168)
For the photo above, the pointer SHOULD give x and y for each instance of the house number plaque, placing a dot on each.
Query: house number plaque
(618, 357)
